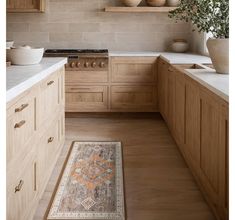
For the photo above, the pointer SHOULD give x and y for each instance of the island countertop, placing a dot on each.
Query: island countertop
(21, 78)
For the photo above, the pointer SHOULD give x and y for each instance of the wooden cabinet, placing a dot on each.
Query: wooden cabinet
(180, 95)
(198, 121)
(86, 98)
(192, 123)
(134, 98)
(133, 70)
(35, 135)
(162, 87)
(25, 5)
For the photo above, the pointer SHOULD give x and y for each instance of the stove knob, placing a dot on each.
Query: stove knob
(86, 64)
(102, 64)
(93, 64)
(72, 64)
(78, 64)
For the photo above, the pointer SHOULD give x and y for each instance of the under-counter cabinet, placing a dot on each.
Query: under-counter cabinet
(25, 5)
(199, 125)
(35, 135)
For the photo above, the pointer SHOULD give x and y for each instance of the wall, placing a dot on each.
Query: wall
(84, 24)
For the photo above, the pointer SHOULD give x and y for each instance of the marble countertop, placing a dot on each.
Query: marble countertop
(215, 82)
(21, 78)
(173, 58)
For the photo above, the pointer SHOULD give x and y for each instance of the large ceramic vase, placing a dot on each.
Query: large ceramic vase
(131, 3)
(219, 53)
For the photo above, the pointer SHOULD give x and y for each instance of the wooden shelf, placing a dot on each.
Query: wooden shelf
(139, 9)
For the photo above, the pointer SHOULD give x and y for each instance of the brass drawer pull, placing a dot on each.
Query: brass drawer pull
(51, 82)
(50, 139)
(21, 108)
(20, 124)
(18, 188)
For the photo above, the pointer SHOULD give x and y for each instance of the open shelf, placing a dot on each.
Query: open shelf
(139, 9)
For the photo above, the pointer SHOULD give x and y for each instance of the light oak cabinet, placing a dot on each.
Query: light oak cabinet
(35, 135)
(25, 5)
(86, 98)
(134, 98)
(199, 125)
(130, 85)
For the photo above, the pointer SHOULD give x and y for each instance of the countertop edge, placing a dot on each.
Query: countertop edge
(213, 89)
(27, 84)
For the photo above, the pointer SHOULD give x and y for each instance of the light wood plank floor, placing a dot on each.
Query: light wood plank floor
(158, 183)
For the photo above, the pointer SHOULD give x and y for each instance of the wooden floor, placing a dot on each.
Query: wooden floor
(158, 184)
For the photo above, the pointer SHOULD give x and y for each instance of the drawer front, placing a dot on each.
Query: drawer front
(48, 148)
(86, 98)
(139, 98)
(73, 77)
(21, 189)
(49, 98)
(21, 126)
(137, 70)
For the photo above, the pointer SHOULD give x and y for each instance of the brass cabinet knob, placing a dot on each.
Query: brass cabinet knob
(20, 124)
(21, 108)
(78, 64)
(50, 139)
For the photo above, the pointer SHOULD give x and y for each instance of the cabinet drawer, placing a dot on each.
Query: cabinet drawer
(73, 77)
(139, 98)
(134, 70)
(86, 98)
(21, 189)
(48, 148)
(49, 97)
(21, 126)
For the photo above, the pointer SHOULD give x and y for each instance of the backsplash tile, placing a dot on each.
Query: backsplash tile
(84, 24)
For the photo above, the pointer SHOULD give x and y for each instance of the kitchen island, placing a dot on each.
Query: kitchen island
(35, 132)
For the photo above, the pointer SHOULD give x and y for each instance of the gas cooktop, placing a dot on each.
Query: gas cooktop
(76, 51)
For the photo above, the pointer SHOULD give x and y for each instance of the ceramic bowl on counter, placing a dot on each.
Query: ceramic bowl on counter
(25, 55)
(131, 3)
(179, 46)
(156, 3)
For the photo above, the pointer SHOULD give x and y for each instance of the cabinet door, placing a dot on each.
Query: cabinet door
(193, 124)
(21, 190)
(170, 98)
(210, 148)
(86, 98)
(25, 5)
(224, 160)
(49, 98)
(134, 98)
(162, 88)
(180, 88)
(134, 70)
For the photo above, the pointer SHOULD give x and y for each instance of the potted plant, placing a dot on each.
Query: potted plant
(210, 16)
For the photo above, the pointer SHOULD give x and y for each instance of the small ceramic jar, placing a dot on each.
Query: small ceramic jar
(179, 46)
(173, 3)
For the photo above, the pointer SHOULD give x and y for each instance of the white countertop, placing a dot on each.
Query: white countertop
(215, 82)
(173, 58)
(21, 78)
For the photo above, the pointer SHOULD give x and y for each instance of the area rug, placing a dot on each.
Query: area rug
(91, 186)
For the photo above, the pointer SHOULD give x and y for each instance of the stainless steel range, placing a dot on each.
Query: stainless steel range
(83, 60)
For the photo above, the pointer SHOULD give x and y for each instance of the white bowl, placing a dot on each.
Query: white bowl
(9, 44)
(25, 56)
(179, 47)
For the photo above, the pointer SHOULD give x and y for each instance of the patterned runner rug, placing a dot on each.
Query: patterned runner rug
(91, 186)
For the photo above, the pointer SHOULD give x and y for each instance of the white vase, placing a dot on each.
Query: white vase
(219, 54)
(173, 3)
